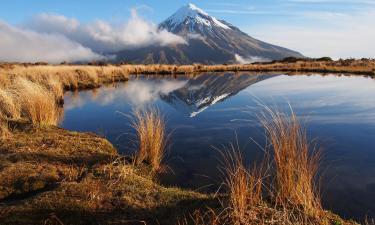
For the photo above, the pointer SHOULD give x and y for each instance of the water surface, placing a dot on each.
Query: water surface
(210, 110)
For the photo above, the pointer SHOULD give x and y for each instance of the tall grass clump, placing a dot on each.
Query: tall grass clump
(295, 161)
(55, 86)
(37, 104)
(9, 107)
(244, 185)
(9, 110)
(150, 128)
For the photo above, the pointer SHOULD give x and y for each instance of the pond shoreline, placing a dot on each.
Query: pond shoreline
(79, 77)
(58, 174)
(73, 177)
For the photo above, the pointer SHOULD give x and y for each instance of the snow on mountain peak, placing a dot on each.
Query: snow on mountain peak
(191, 14)
(193, 7)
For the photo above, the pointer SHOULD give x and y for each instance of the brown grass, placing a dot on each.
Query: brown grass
(26, 100)
(9, 107)
(244, 185)
(37, 104)
(149, 125)
(73, 77)
(296, 162)
(286, 178)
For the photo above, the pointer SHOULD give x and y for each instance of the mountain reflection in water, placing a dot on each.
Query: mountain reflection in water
(189, 95)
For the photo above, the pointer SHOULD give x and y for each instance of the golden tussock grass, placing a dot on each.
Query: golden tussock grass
(244, 185)
(295, 160)
(28, 101)
(286, 178)
(73, 77)
(37, 104)
(9, 106)
(9, 109)
(150, 128)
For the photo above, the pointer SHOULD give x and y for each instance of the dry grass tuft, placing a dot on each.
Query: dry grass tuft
(244, 185)
(37, 104)
(55, 86)
(295, 162)
(118, 171)
(291, 193)
(150, 127)
(4, 131)
(199, 217)
(9, 107)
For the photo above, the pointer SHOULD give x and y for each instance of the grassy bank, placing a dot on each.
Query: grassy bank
(52, 176)
(73, 77)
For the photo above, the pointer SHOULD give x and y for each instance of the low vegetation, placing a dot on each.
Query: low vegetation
(28, 101)
(52, 176)
(281, 189)
(73, 77)
(151, 137)
(244, 186)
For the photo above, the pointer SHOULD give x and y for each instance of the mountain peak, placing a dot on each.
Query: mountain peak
(193, 16)
(209, 41)
(194, 8)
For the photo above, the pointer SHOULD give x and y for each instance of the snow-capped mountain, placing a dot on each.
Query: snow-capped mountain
(193, 18)
(205, 90)
(210, 41)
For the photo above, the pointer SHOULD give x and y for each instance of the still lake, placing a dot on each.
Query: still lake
(213, 109)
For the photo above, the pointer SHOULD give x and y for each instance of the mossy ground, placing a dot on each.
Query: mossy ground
(53, 176)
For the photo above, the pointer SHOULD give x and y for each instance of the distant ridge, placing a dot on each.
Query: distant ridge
(210, 41)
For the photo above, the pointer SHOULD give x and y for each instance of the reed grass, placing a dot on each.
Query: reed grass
(26, 100)
(4, 129)
(9, 106)
(244, 185)
(73, 77)
(150, 128)
(286, 177)
(295, 161)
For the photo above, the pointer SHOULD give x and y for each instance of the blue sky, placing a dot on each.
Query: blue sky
(337, 28)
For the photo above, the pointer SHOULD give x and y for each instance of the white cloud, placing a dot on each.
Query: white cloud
(22, 45)
(55, 38)
(247, 60)
(335, 35)
(101, 36)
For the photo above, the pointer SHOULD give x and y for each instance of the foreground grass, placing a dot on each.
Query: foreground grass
(281, 188)
(52, 176)
(151, 133)
(75, 176)
(29, 101)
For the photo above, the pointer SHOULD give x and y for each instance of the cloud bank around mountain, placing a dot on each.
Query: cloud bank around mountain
(247, 60)
(55, 38)
(23, 45)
